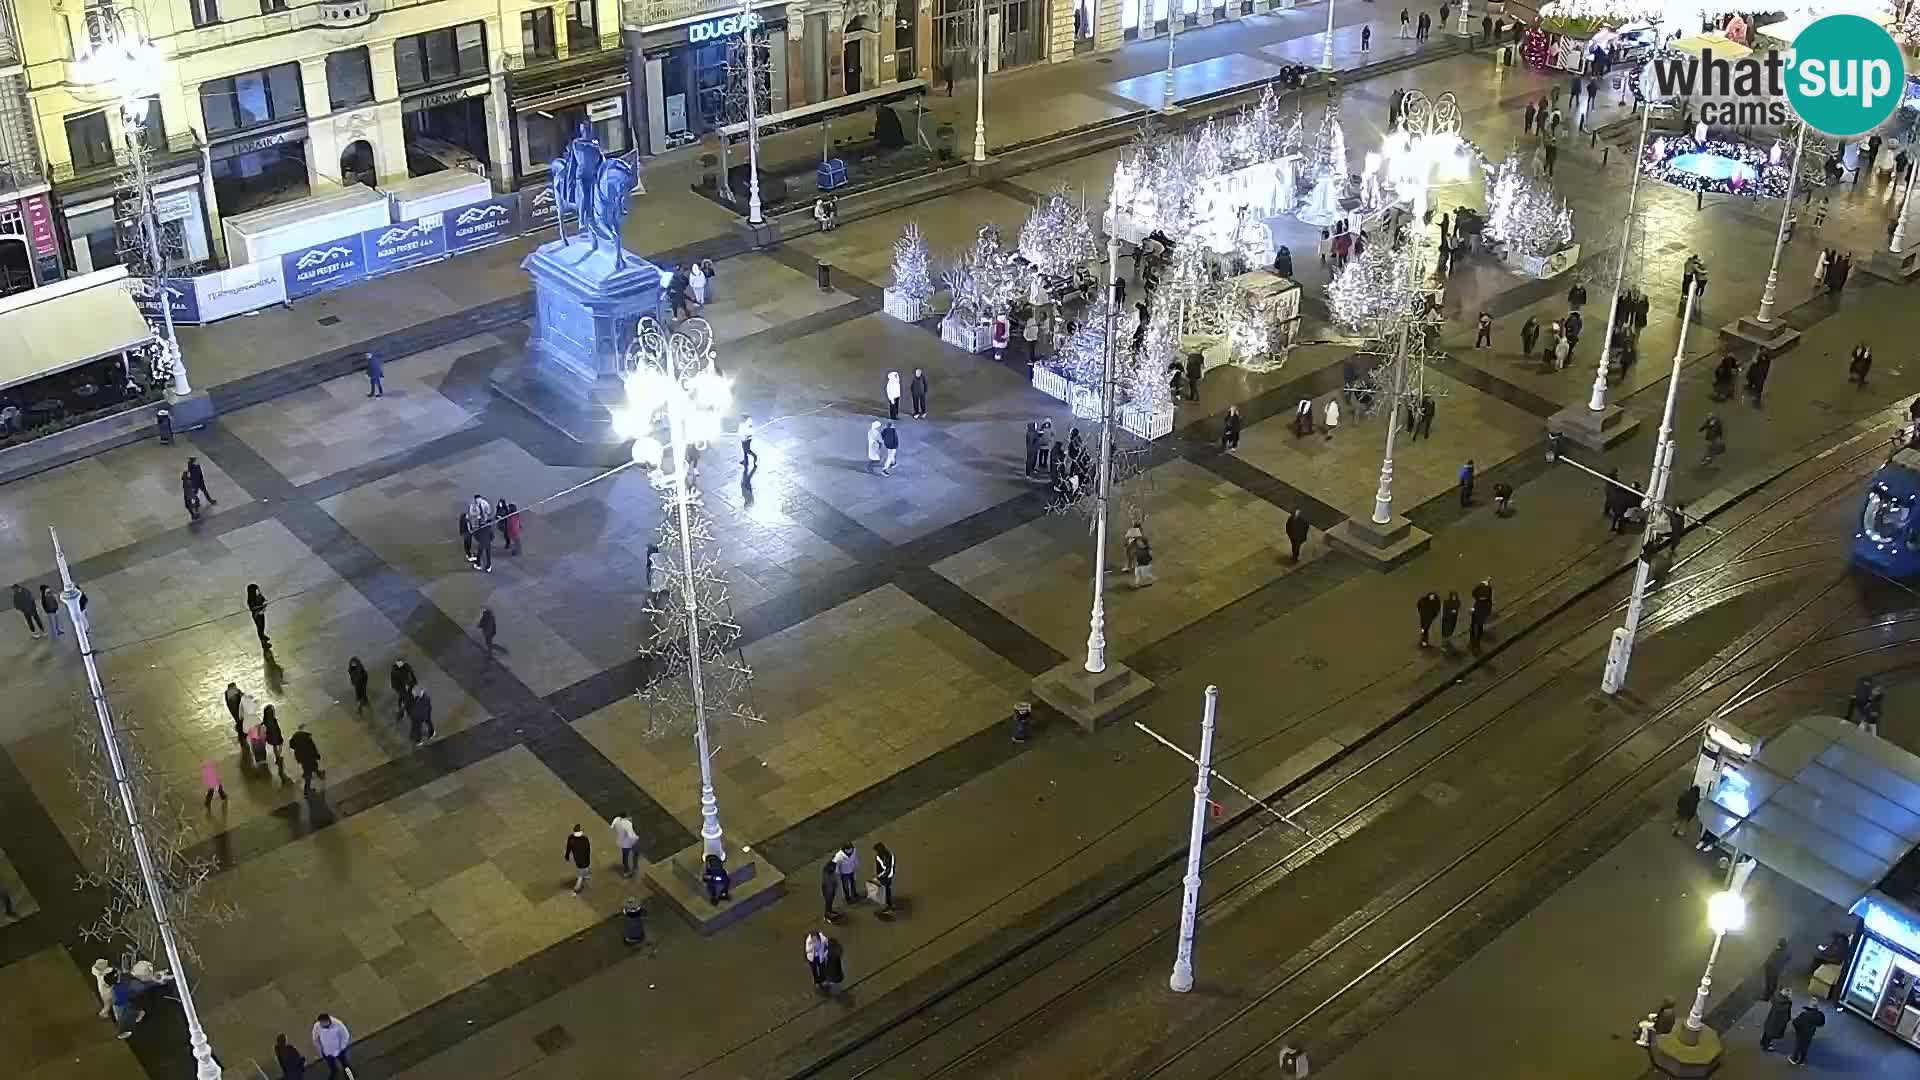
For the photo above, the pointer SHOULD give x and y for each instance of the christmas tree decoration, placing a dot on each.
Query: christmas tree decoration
(1524, 214)
(1327, 156)
(1374, 289)
(1057, 239)
(910, 274)
(985, 282)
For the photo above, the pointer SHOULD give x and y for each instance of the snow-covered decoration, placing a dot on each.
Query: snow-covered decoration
(1200, 182)
(1328, 155)
(1524, 214)
(906, 298)
(1374, 289)
(1058, 237)
(985, 282)
(1083, 354)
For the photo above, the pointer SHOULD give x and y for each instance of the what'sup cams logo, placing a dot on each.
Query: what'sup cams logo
(1844, 77)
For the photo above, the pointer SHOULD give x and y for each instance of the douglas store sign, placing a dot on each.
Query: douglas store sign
(721, 29)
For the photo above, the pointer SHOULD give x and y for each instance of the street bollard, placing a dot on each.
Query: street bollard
(163, 420)
(825, 274)
(1605, 153)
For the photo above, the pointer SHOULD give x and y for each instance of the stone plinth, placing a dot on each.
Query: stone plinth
(1771, 338)
(1385, 546)
(587, 305)
(1091, 699)
(757, 883)
(1675, 1058)
(1596, 431)
(1894, 266)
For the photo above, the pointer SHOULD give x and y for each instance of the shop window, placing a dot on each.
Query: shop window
(440, 55)
(536, 35)
(268, 7)
(583, 26)
(88, 141)
(349, 78)
(153, 127)
(544, 134)
(205, 12)
(253, 99)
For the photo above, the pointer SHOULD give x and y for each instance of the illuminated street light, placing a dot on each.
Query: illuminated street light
(1726, 912)
(1097, 621)
(980, 84)
(747, 21)
(1780, 235)
(1176, 14)
(131, 68)
(1326, 46)
(674, 380)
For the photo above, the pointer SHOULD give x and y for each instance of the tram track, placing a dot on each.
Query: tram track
(1679, 598)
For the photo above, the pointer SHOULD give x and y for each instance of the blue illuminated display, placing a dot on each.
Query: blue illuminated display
(1890, 925)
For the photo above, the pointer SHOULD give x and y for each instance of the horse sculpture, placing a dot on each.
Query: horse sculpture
(615, 184)
(593, 188)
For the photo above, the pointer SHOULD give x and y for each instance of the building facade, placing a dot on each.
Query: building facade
(264, 102)
(29, 248)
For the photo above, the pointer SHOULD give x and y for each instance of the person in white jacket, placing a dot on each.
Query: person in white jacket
(873, 447)
(1332, 420)
(893, 395)
(330, 1040)
(697, 283)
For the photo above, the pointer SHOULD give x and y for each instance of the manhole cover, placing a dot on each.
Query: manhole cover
(553, 1040)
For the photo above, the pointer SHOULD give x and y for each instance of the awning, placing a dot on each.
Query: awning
(826, 110)
(1824, 804)
(1717, 42)
(47, 330)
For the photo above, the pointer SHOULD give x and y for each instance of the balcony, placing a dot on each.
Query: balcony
(330, 15)
(642, 13)
(178, 146)
(342, 14)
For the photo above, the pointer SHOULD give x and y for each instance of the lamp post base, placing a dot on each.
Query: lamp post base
(763, 235)
(1894, 265)
(757, 883)
(1675, 1057)
(1596, 431)
(1770, 338)
(1382, 546)
(1091, 699)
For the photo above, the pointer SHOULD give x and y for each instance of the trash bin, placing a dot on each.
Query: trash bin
(825, 275)
(163, 421)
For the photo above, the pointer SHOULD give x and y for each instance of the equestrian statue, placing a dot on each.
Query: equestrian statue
(595, 189)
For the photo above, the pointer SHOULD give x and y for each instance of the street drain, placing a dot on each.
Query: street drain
(329, 320)
(553, 1040)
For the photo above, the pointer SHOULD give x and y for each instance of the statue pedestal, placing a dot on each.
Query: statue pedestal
(587, 306)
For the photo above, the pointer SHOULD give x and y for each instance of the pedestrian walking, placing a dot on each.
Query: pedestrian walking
(199, 480)
(1139, 555)
(466, 534)
(833, 968)
(1684, 809)
(627, 840)
(1529, 336)
(210, 778)
(271, 735)
(1483, 337)
(893, 395)
(1861, 364)
(331, 1040)
(816, 952)
(1757, 377)
(257, 607)
(1427, 409)
(1779, 1015)
(306, 754)
(1482, 611)
(1429, 608)
(1230, 430)
(376, 372)
(1552, 149)
(23, 603)
(830, 887)
(1810, 1020)
(189, 498)
(1466, 483)
(357, 677)
(1775, 966)
(234, 697)
(1297, 529)
(1486, 29)
(1715, 436)
(50, 605)
(697, 283)
(1366, 39)
(874, 445)
(1406, 24)
(480, 517)
(1502, 499)
(1449, 619)
(1331, 416)
(402, 679)
(420, 716)
(1196, 367)
(126, 992)
(579, 852)
(918, 388)
(510, 524)
(292, 1065)
(890, 439)
(1035, 441)
(1527, 121)
(1022, 721)
(488, 628)
(1445, 9)
(885, 866)
(1293, 1063)
(749, 461)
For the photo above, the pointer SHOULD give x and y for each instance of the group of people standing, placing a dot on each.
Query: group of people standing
(1430, 607)
(689, 287)
(481, 521)
(31, 609)
(1832, 269)
(1727, 371)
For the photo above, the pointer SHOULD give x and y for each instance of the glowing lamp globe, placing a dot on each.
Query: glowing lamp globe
(647, 451)
(711, 390)
(1726, 912)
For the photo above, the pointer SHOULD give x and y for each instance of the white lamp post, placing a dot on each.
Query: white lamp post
(122, 59)
(747, 22)
(1326, 47)
(675, 380)
(205, 1067)
(1383, 495)
(1780, 235)
(980, 85)
(1597, 401)
(1466, 30)
(1726, 912)
(1620, 649)
(1097, 622)
(1176, 14)
(1181, 980)
(1899, 238)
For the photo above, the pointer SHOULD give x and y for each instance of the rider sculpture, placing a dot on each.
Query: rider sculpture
(595, 189)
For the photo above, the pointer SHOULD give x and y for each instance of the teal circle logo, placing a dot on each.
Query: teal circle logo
(1846, 76)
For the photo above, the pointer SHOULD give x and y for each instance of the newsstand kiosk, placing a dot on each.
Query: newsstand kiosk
(1883, 977)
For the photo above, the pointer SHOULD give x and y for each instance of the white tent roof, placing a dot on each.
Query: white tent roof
(55, 327)
(1717, 41)
(1824, 804)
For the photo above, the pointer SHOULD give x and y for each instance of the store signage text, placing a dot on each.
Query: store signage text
(716, 29)
(39, 217)
(262, 142)
(445, 97)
